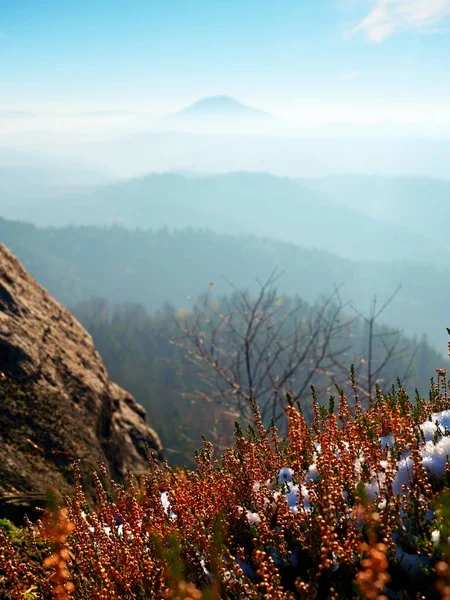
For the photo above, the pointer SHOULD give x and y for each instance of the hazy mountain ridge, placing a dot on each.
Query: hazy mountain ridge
(154, 267)
(248, 203)
(27, 180)
(420, 203)
(220, 106)
(222, 115)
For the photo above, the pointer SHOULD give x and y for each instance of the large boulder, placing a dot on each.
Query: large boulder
(57, 402)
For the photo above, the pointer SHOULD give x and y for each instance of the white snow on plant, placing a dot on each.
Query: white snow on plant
(203, 566)
(436, 537)
(434, 455)
(372, 489)
(253, 518)
(377, 485)
(165, 501)
(435, 452)
(441, 420)
(285, 475)
(382, 505)
(313, 473)
(404, 475)
(293, 497)
(294, 492)
(166, 505)
(387, 440)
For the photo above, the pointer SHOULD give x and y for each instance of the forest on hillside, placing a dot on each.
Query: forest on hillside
(332, 214)
(156, 357)
(131, 288)
(152, 267)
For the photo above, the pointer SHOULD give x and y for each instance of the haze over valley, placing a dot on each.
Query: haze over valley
(283, 194)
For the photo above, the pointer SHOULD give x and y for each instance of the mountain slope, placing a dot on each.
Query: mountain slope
(247, 203)
(220, 106)
(27, 179)
(421, 204)
(149, 267)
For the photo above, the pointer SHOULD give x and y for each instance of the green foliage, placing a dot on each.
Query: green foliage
(138, 351)
(14, 532)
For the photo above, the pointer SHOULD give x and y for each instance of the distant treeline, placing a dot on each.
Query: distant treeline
(154, 267)
(140, 355)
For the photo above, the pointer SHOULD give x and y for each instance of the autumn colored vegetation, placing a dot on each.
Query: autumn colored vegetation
(353, 505)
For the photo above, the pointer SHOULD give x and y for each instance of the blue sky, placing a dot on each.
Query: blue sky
(346, 56)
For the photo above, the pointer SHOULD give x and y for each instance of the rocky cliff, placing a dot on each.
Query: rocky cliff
(57, 402)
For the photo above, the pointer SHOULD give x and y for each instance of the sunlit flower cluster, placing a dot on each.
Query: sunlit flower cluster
(351, 505)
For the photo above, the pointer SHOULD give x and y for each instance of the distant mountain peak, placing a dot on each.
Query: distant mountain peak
(220, 106)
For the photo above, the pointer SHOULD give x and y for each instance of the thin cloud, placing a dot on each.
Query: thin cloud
(389, 17)
(105, 113)
(351, 75)
(15, 114)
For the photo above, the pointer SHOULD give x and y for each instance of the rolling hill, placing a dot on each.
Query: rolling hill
(154, 267)
(421, 204)
(245, 203)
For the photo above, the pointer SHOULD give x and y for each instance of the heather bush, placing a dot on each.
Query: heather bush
(353, 505)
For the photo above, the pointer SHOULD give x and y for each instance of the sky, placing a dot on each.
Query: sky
(319, 60)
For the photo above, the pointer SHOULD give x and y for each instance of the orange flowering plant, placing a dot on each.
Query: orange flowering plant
(351, 505)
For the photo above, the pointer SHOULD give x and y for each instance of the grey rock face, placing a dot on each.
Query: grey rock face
(57, 402)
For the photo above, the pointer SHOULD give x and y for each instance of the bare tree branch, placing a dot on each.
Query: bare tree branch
(260, 347)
